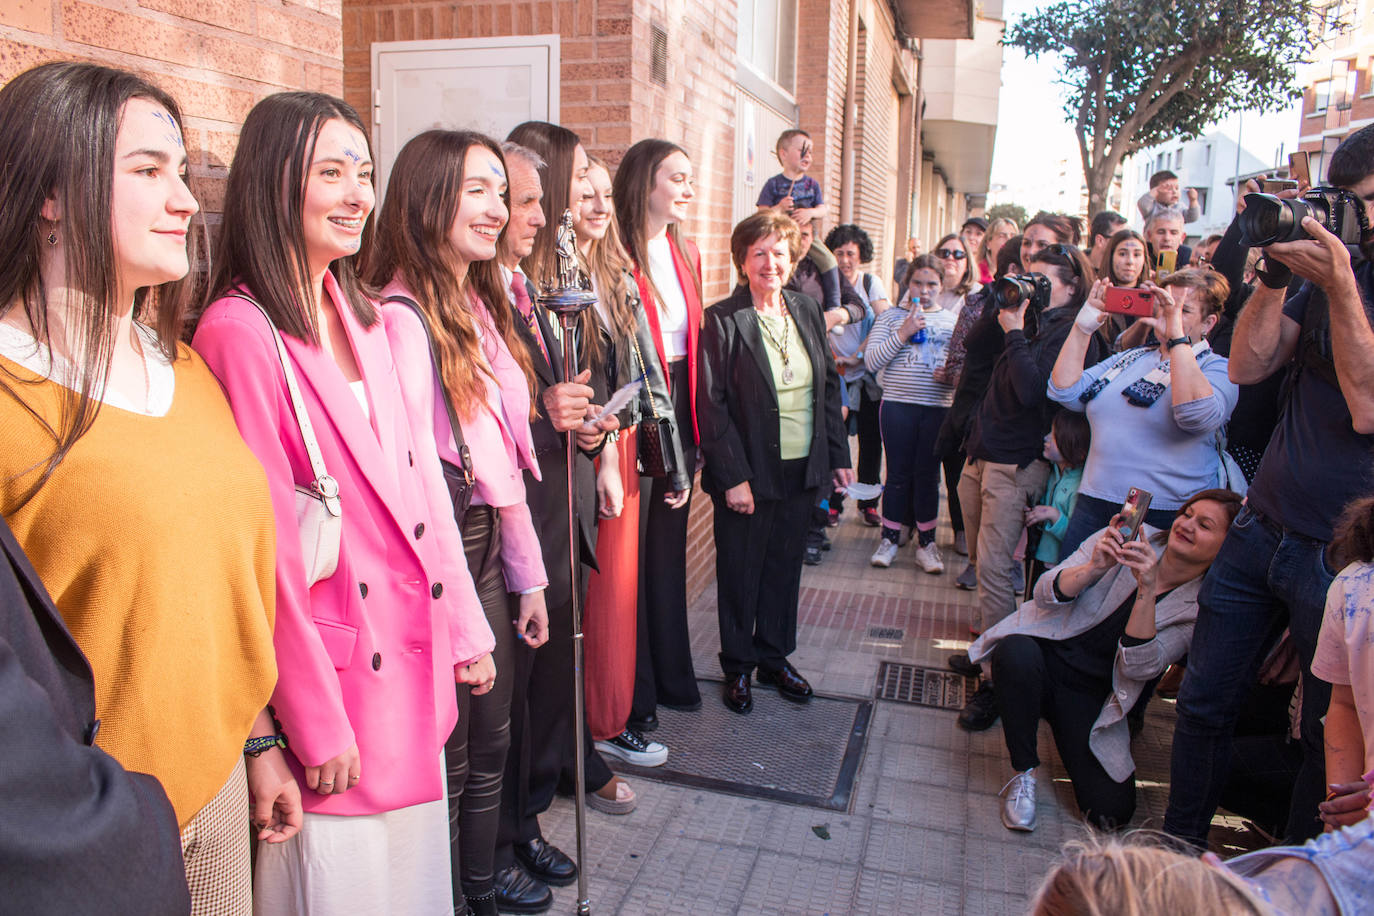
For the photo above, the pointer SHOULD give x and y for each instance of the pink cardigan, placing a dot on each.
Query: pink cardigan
(497, 432)
(367, 655)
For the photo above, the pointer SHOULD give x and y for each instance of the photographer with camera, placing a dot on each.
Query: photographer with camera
(1005, 472)
(1273, 568)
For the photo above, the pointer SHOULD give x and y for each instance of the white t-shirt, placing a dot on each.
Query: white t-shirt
(672, 312)
(1345, 647)
(22, 348)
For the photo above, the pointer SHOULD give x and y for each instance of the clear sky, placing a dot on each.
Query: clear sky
(1034, 139)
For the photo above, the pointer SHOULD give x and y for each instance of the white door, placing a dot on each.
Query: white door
(484, 84)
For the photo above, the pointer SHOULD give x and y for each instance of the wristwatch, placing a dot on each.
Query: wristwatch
(1176, 341)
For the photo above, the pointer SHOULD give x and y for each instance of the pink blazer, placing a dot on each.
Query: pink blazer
(365, 656)
(497, 432)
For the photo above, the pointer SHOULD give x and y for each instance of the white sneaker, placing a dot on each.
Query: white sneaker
(885, 554)
(929, 559)
(632, 747)
(1018, 803)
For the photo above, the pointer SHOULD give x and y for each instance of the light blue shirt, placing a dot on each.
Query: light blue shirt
(1169, 451)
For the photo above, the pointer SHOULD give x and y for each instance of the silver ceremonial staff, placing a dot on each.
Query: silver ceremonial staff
(567, 295)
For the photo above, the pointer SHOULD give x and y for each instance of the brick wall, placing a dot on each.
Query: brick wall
(822, 63)
(216, 57)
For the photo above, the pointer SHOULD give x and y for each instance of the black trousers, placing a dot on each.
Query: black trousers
(954, 469)
(870, 462)
(663, 651)
(541, 754)
(758, 574)
(1032, 684)
(475, 754)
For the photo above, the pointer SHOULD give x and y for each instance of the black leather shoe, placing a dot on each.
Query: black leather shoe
(647, 724)
(547, 862)
(484, 905)
(737, 695)
(980, 712)
(789, 682)
(517, 892)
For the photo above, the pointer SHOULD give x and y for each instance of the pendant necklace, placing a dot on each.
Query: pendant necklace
(787, 374)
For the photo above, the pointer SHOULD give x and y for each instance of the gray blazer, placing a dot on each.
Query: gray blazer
(1046, 617)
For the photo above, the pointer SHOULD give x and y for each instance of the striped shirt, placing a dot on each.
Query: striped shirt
(904, 368)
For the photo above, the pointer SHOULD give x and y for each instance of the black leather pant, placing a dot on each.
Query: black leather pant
(476, 751)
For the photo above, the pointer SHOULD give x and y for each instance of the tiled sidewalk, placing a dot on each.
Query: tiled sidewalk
(924, 834)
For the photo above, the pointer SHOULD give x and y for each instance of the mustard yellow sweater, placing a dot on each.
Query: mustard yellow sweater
(155, 538)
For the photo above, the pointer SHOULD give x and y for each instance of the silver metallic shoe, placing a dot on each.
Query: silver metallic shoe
(1018, 802)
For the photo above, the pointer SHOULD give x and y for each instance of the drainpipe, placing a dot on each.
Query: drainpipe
(851, 116)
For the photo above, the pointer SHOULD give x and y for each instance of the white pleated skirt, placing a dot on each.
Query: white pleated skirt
(391, 864)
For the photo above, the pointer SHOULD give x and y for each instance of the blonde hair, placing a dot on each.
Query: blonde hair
(608, 262)
(1137, 875)
(993, 228)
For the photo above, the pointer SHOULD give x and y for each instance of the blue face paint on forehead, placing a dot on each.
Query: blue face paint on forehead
(175, 135)
(352, 155)
(496, 170)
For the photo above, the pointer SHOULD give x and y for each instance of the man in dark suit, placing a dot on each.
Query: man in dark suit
(541, 752)
(78, 833)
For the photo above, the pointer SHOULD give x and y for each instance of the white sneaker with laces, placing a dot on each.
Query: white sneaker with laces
(885, 554)
(929, 559)
(1018, 802)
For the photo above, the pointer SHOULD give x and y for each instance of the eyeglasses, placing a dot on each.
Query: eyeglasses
(952, 254)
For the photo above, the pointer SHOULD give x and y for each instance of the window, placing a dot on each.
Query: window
(767, 39)
(1178, 158)
(1321, 92)
(1201, 199)
(1209, 154)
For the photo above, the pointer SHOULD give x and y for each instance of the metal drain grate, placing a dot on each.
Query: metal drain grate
(894, 634)
(937, 687)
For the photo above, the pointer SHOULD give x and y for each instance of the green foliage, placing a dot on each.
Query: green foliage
(1014, 212)
(1142, 71)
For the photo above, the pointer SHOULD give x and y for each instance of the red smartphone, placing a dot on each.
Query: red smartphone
(1123, 300)
(1133, 513)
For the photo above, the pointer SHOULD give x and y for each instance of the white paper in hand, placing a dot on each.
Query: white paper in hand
(864, 490)
(614, 404)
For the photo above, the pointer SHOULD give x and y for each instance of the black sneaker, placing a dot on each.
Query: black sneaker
(960, 663)
(980, 712)
(632, 747)
(813, 555)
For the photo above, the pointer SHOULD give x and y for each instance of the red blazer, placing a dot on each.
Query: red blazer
(685, 274)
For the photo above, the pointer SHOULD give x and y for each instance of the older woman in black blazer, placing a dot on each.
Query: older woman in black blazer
(768, 413)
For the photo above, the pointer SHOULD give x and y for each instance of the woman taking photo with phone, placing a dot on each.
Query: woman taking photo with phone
(1155, 411)
(113, 434)
(613, 590)
(367, 655)
(653, 189)
(434, 262)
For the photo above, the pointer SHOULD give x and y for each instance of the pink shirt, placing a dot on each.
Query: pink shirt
(496, 432)
(367, 655)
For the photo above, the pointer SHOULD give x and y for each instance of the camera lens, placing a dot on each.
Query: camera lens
(1009, 292)
(1268, 219)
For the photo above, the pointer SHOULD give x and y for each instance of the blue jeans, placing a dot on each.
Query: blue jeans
(1264, 578)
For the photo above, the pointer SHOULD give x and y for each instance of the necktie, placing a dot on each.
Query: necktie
(526, 307)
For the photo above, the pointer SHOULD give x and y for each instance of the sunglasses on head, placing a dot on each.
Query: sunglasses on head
(953, 254)
(1066, 251)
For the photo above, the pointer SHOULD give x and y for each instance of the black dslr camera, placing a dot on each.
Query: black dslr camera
(1010, 291)
(1268, 219)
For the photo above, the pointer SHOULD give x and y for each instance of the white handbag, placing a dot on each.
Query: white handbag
(319, 514)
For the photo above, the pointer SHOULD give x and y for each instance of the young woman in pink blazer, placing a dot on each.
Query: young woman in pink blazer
(367, 656)
(445, 209)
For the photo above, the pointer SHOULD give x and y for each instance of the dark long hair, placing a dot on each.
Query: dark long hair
(58, 127)
(413, 244)
(261, 241)
(634, 181)
(1064, 258)
(556, 146)
(1108, 253)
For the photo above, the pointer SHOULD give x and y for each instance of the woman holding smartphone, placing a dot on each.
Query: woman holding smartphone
(434, 262)
(654, 187)
(367, 656)
(112, 433)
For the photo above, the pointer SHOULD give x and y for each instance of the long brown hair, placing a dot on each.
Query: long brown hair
(58, 127)
(413, 245)
(970, 274)
(556, 146)
(634, 182)
(261, 240)
(1109, 254)
(610, 266)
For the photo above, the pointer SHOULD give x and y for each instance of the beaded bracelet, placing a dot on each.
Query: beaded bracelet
(254, 747)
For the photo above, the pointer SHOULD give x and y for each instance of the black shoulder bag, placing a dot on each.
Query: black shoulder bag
(655, 444)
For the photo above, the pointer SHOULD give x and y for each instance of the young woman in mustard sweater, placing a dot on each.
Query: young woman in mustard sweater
(121, 471)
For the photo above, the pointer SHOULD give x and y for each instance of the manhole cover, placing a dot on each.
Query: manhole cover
(803, 754)
(894, 634)
(938, 687)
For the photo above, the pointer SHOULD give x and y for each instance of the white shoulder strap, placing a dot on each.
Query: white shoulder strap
(325, 486)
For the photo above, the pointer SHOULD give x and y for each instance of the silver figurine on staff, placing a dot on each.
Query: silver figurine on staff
(567, 295)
